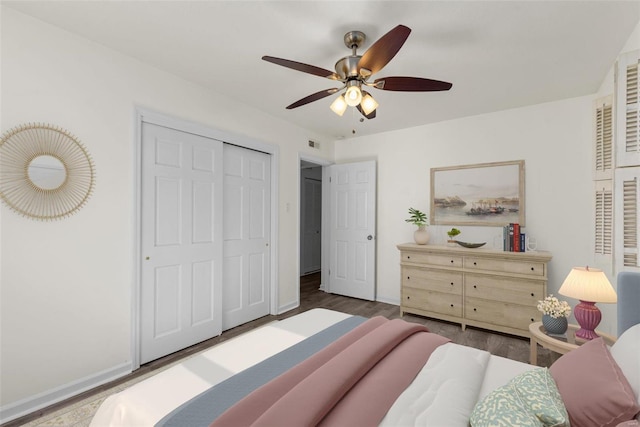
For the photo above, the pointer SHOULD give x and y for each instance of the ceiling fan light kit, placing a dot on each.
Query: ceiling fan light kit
(339, 106)
(368, 104)
(353, 95)
(354, 71)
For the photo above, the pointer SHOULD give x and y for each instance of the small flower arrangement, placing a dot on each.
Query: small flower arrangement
(551, 306)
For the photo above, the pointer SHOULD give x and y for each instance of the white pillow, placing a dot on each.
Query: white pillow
(626, 352)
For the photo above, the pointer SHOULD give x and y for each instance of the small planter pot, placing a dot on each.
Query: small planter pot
(555, 325)
(421, 235)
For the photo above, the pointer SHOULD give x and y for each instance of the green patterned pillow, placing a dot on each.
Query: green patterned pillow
(530, 399)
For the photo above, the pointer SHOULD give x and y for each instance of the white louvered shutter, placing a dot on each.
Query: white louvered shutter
(628, 110)
(630, 222)
(604, 218)
(627, 219)
(603, 138)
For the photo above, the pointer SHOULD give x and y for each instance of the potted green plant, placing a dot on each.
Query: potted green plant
(452, 233)
(421, 235)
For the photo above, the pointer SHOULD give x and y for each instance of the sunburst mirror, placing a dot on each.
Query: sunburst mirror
(45, 172)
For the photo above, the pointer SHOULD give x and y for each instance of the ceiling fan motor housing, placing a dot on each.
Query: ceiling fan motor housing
(348, 66)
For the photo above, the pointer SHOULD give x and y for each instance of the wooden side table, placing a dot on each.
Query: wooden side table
(558, 344)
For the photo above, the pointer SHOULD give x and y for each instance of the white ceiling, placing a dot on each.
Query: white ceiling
(497, 54)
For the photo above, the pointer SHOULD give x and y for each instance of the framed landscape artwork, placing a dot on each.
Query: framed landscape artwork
(490, 194)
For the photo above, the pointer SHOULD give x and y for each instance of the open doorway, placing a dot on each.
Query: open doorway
(313, 223)
(337, 225)
(310, 218)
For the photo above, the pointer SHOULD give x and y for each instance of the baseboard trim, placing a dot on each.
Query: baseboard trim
(42, 400)
(287, 307)
(391, 301)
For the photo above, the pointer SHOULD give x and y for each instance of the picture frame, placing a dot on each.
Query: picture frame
(485, 194)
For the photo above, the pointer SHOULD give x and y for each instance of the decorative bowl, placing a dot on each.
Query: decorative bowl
(470, 245)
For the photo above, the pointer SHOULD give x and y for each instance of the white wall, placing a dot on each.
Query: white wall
(66, 285)
(554, 139)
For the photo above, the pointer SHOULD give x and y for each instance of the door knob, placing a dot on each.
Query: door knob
(369, 237)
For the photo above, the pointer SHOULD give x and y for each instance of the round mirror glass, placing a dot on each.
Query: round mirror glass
(47, 172)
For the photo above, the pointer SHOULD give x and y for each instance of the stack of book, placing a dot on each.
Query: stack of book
(513, 238)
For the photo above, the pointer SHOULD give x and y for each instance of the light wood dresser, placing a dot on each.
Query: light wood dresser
(486, 288)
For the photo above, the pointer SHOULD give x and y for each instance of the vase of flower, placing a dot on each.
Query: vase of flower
(421, 235)
(419, 219)
(555, 325)
(554, 314)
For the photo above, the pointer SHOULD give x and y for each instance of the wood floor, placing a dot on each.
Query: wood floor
(508, 346)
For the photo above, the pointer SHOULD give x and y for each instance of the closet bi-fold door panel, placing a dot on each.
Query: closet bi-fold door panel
(181, 240)
(247, 237)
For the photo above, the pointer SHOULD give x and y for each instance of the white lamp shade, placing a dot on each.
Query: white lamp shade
(368, 104)
(339, 106)
(588, 284)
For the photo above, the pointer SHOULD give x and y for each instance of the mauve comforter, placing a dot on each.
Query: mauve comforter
(353, 381)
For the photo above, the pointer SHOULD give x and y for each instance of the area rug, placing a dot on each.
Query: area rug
(80, 413)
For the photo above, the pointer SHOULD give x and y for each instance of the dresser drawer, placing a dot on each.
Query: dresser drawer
(506, 266)
(432, 280)
(437, 302)
(432, 259)
(497, 288)
(500, 313)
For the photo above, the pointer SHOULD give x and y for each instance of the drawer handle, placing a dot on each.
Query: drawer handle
(532, 320)
(409, 278)
(451, 305)
(475, 309)
(451, 261)
(475, 287)
(408, 257)
(532, 294)
(475, 263)
(408, 297)
(451, 283)
(533, 269)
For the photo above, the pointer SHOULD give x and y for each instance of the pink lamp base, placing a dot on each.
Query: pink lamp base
(588, 317)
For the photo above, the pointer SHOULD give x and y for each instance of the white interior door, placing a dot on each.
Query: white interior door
(247, 222)
(352, 234)
(311, 225)
(181, 240)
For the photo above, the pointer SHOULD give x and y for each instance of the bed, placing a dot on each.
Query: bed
(454, 385)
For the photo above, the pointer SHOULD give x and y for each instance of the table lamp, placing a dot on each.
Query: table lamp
(589, 285)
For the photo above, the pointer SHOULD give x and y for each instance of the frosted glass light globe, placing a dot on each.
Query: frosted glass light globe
(353, 96)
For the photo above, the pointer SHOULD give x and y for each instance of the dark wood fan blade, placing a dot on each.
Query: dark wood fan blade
(383, 50)
(371, 115)
(313, 97)
(305, 68)
(411, 84)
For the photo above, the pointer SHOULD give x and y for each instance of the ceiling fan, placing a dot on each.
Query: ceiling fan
(355, 70)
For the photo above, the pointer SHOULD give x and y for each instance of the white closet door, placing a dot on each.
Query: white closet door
(247, 224)
(353, 222)
(181, 240)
